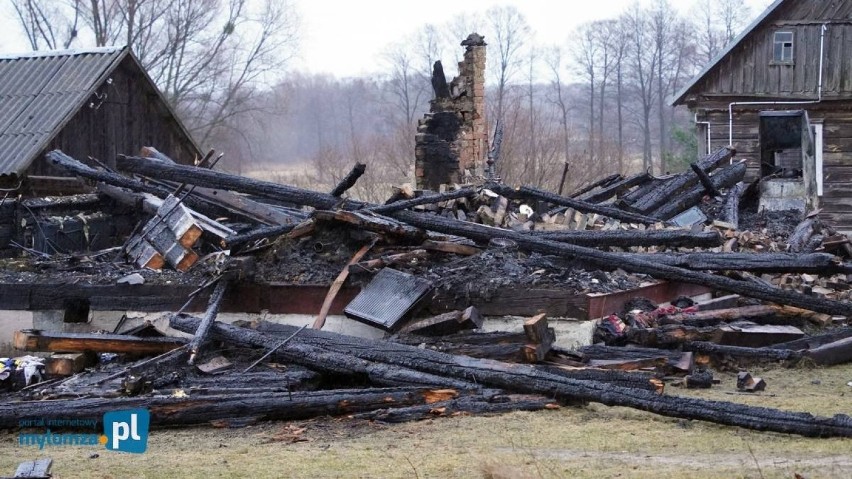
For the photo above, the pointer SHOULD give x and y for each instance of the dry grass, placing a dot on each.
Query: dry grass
(593, 441)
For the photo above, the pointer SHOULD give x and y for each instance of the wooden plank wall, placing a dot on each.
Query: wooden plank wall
(130, 117)
(750, 71)
(836, 202)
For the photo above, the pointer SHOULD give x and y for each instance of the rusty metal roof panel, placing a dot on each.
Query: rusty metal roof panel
(389, 297)
(40, 92)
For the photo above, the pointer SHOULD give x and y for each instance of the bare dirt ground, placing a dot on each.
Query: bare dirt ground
(572, 442)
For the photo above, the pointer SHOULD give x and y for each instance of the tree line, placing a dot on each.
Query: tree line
(598, 102)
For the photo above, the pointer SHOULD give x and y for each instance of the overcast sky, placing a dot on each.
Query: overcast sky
(346, 37)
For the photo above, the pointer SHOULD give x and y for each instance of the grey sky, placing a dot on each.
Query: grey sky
(347, 38)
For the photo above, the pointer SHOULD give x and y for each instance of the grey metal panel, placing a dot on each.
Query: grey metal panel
(388, 298)
(39, 93)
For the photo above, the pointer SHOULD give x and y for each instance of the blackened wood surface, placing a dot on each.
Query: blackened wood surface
(530, 380)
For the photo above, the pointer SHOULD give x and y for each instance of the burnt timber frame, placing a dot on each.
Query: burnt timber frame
(281, 298)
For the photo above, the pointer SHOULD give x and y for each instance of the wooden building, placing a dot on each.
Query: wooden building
(89, 103)
(781, 93)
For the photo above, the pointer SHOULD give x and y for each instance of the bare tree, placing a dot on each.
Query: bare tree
(643, 66)
(559, 97)
(47, 24)
(208, 56)
(509, 32)
(586, 58)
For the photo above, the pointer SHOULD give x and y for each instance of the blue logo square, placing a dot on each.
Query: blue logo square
(127, 430)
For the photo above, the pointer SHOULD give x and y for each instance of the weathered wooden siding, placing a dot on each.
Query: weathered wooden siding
(836, 118)
(748, 70)
(130, 116)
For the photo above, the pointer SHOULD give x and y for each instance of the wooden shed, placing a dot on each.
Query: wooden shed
(90, 103)
(781, 93)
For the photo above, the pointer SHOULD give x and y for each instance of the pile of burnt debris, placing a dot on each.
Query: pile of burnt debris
(682, 275)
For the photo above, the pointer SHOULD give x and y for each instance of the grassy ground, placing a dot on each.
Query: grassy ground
(572, 442)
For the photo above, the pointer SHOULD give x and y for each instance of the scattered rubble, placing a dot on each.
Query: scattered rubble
(426, 269)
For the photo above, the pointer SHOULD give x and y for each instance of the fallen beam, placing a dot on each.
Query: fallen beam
(616, 188)
(213, 305)
(484, 234)
(529, 380)
(725, 178)
(837, 352)
(579, 205)
(741, 352)
(628, 238)
(670, 188)
(349, 180)
(464, 405)
(205, 408)
(37, 340)
(423, 200)
(815, 263)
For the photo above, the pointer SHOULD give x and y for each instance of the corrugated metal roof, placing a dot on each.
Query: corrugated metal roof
(40, 92)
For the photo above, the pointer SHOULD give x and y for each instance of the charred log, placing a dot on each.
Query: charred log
(349, 180)
(628, 238)
(529, 380)
(815, 263)
(679, 183)
(617, 188)
(725, 178)
(579, 205)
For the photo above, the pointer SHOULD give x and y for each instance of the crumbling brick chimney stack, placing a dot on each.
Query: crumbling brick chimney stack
(452, 139)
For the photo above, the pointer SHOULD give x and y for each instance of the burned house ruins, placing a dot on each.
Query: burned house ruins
(228, 300)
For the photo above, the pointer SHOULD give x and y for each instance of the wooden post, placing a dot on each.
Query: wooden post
(213, 305)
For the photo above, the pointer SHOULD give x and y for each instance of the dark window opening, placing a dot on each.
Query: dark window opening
(783, 47)
(76, 311)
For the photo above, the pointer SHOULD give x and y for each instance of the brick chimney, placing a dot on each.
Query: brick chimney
(452, 139)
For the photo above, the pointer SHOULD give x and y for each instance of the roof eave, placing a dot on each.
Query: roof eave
(679, 96)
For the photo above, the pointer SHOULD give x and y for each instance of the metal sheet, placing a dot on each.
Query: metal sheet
(388, 298)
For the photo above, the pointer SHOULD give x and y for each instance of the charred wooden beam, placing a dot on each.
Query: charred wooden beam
(704, 178)
(445, 323)
(37, 340)
(731, 206)
(617, 188)
(837, 352)
(640, 191)
(672, 335)
(628, 238)
(484, 234)
(800, 237)
(603, 183)
(349, 180)
(423, 200)
(815, 263)
(675, 185)
(811, 342)
(56, 157)
(740, 352)
(477, 404)
(579, 205)
(217, 179)
(529, 380)
(213, 305)
(201, 409)
(760, 314)
(372, 222)
(257, 234)
(607, 260)
(726, 178)
(301, 350)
